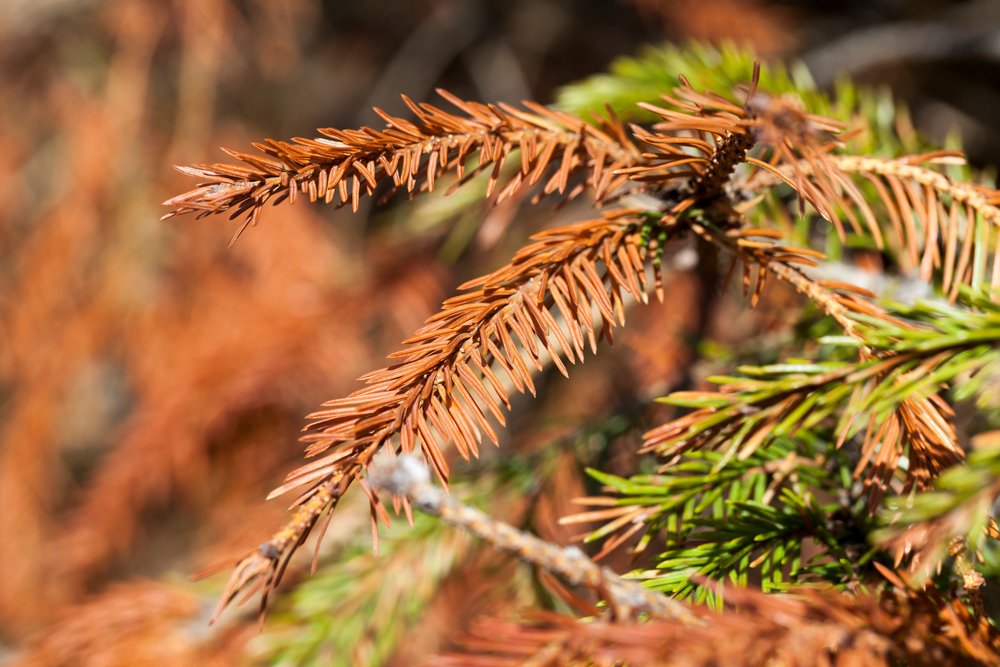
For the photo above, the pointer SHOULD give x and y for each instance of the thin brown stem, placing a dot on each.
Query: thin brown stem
(407, 476)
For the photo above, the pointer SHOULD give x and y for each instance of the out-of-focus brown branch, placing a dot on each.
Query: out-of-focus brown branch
(814, 627)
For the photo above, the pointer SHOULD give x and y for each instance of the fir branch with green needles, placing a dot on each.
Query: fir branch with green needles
(730, 520)
(773, 481)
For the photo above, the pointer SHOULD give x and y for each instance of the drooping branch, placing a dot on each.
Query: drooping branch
(941, 227)
(961, 217)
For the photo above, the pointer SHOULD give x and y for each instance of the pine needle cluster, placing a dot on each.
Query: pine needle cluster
(837, 472)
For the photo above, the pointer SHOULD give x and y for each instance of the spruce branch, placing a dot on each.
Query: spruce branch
(441, 388)
(915, 420)
(342, 165)
(731, 519)
(761, 253)
(502, 320)
(778, 412)
(891, 397)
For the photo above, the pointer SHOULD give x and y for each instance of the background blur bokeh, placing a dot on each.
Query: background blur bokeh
(153, 379)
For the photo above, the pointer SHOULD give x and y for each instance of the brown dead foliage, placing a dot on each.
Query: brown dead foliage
(812, 627)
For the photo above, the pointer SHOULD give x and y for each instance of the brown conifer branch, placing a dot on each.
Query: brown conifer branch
(704, 138)
(948, 211)
(501, 321)
(933, 221)
(760, 251)
(446, 385)
(449, 378)
(343, 165)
